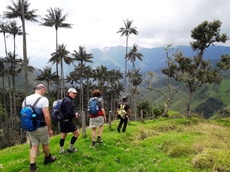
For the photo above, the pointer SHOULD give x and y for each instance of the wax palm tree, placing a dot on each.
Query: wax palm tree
(21, 10)
(71, 78)
(136, 80)
(60, 56)
(55, 18)
(3, 30)
(88, 75)
(126, 31)
(133, 55)
(15, 11)
(82, 57)
(47, 75)
(10, 61)
(101, 75)
(114, 77)
(2, 74)
(21, 68)
(14, 30)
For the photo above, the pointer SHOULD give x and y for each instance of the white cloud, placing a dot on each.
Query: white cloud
(95, 23)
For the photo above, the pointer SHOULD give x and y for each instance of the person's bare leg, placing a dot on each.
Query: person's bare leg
(46, 150)
(100, 131)
(93, 134)
(33, 154)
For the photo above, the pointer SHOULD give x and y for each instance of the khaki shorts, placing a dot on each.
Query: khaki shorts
(96, 122)
(41, 135)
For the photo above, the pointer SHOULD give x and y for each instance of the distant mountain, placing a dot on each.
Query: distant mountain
(153, 58)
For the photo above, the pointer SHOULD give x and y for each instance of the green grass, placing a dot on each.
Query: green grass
(164, 144)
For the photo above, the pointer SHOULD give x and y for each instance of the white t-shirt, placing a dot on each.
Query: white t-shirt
(42, 103)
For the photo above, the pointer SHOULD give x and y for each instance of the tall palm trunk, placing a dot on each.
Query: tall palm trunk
(3, 78)
(83, 113)
(10, 101)
(126, 52)
(13, 81)
(57, 63)
(25, 63)
(62, 79)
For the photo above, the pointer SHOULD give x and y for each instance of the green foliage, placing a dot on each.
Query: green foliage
(145, 106)
(158, 111)
(196, 71)
(206, 34)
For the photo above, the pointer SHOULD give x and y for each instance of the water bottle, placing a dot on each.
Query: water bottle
(34, 115)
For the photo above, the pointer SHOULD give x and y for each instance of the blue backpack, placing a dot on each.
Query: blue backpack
(93, 108)
(57, 113)
(29, 117)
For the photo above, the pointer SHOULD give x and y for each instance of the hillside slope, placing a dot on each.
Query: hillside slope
(176, 145)
(206, 100)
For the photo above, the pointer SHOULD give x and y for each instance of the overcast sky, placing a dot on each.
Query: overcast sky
(96, 22)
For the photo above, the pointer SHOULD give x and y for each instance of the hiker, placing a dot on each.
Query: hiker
(123, 114)
(44, 131)
(98, 119)
(67, 125)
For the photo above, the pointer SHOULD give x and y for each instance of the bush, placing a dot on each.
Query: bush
(158, 112)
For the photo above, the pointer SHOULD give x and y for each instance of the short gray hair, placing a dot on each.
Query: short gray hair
(40, 87)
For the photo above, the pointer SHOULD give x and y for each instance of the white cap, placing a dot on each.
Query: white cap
(72, 90)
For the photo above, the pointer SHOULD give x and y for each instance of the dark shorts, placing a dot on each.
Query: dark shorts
(67, 127)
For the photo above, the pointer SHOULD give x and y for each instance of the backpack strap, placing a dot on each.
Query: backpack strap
(62, 104)
(36, 101)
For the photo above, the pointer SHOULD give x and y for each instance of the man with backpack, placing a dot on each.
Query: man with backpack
(44, 131)
(66, 124)
(97, 115)
(123, 114)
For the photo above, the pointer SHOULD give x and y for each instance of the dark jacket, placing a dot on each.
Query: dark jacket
(68, 108)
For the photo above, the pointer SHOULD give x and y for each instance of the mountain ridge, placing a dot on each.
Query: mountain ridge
(153, 58)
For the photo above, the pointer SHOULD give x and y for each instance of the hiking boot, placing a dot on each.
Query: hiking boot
(93, 144)
(33, 168)
(49, 159)
(62, 152)
(118, 130)
(99, 140)
(72, 150)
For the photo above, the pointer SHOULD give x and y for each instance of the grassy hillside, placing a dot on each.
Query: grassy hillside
(179, 144)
